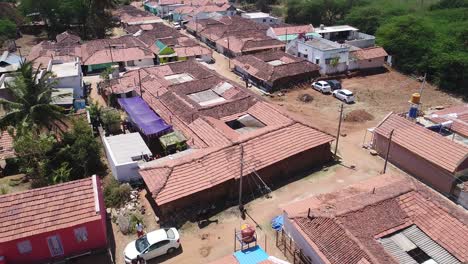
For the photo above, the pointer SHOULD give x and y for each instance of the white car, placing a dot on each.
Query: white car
(322, 86)
(344, 95)
(153, 244)
(176, 25)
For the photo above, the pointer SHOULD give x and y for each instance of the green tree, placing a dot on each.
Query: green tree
(444, 4)
(409, 39)
(7, 29)
(31, 107)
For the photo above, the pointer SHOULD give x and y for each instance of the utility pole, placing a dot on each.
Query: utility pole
(241, 205)
(388, 150)
(422, 85)
(339, 129)
(139, 80)
(110, 50)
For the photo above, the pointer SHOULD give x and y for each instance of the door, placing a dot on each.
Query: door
(55, 246)
(156, 250)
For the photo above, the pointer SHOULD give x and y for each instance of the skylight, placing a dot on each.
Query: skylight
(276, 62)
(245, 123)
(207, 97)
(179, 78)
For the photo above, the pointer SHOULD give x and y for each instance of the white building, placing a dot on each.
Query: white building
(346, 34)
(332, 57)
(67, 75)
(263, 18)
(124, 153)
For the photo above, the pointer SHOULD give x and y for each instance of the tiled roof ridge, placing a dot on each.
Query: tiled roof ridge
(207, 120)
(166, 179)
(355, 240)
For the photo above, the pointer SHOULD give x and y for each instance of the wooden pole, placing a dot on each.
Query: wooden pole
(139, 80)
(388, 150)
(241, 206)
(339, 128)
(265, 243)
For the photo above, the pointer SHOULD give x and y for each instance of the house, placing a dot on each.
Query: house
(6, 147)
(426, 155)
(288, 33)
(53, 223)
(275, 70)
(67, 75)
(367, 58)
(126, 51)
(262, 18)
(385, 219)
(222, 124)
(9, 62)
(332, 57)
(457, 116)
(187, 13)
(66, 48)
(130, 15)
(124, 152)
(168, 44)
(233, 35)
(166, 8)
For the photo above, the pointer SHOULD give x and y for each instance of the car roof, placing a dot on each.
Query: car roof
(156, 236)
(322, 82)
(346, 91)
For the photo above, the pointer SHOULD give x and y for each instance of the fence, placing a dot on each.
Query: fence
(290, 250)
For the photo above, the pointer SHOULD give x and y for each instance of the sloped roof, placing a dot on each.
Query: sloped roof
(290, 29)
(457, 114)
(345, 226)
(37, 211)
(370, 53)
(168, 183)
(429, 145)
(258, 65)
(68, 37)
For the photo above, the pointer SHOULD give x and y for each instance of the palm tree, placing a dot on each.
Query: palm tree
(31, 107)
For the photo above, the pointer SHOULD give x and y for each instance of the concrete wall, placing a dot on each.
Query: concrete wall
(363, 41)
(434, 176)
(75, 82)
(140, 63)
(300, 240)
(315, 55)
(372, 63)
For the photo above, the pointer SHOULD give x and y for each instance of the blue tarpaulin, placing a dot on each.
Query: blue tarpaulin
(251, 255)
(277, 223)
(143, 117)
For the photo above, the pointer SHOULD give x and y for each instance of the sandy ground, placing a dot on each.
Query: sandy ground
(26, 42)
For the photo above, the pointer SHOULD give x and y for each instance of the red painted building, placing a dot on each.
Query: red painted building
(52, 223)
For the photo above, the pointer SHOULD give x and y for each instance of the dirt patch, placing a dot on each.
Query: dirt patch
(358, 115)
(305, 98)
(205, 251)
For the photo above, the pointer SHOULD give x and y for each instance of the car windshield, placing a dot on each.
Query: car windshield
(141, 244)
(170, 233)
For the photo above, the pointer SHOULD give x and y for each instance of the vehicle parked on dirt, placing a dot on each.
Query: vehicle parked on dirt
(176, 25)
(153, 244)
(321, 86)
(344, 95)
(334, 84)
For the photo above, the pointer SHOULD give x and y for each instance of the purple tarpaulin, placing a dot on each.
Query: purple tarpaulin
(144, 117)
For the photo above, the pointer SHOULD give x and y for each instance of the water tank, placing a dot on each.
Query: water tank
(248, 233)
(415, 98)
(413, 112)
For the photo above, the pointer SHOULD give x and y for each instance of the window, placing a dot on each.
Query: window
(317, 61)
(81, 234)
(161, 243)
(55, 246)
(306, 56)
(264, 20)
(327, 61)
(24, 247)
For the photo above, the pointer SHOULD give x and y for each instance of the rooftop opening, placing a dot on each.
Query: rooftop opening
(245, 123)
(207, 97)
(276, 62)
(179, 78)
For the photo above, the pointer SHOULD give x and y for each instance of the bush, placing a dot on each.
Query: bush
(3, 189)
(7, 29)
(116, 194)
(111, 120)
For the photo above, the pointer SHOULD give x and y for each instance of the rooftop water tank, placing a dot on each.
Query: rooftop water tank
(415, 98)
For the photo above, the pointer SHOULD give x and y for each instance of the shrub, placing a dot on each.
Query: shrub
(116, 194)
(3, 189)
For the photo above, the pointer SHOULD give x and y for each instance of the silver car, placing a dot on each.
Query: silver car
(322, 86)
(344, 95)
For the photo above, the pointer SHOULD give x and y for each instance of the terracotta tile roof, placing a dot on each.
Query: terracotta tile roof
(370, 53)
(201, 173)
(6, 146)
(257, 65)
(67, 37)
(289, 29)
(457, 114)
(125, 48)
(386, 204)
(424, 143)
(51, 208)
(46, 50)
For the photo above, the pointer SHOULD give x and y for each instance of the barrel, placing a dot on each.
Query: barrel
(415, 98)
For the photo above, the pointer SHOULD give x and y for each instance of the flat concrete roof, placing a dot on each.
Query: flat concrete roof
(62, 96)
(335, 29)
(256, 15)
(124, 147)
(323, 44)
(65, 69)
